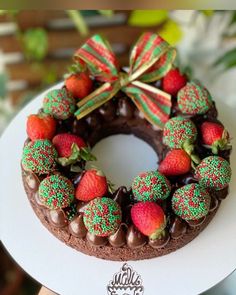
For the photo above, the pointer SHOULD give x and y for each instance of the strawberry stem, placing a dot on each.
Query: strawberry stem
(159, 232)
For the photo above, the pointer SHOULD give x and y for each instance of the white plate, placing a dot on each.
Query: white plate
(191, 270)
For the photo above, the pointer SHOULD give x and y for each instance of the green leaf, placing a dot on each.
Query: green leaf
(3, 84)
(207, 13)
(77, 154)
(35, 42)
(227, 60)
(171, 32)
(85, 154)
(111, 186)
(107, 13)
(77, 18)
(74, 157)
(147, 18)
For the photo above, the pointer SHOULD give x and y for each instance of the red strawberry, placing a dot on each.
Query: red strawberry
(40, 126)
(63, 143)
(215, 136)
(92, 185)
(80, 85)
(174, 81)
(149, 218)
(176, 162)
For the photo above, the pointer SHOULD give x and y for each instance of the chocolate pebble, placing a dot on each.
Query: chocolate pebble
(95, 240)
(108, 111)
(214, 204)
(57, 218)
(125, 108)
(77, 227)
(160, 242)
(118, 239)
(37, 199)
(81, 206)
(32, 181)
(178, 228)
(135, 239)
(194, 223)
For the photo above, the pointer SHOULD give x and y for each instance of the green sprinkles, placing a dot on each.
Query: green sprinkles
(56, 192)
(194, 99)
(39, 156)
(177, 131)
(191, 202)
(59, 103)
(214, 172)
(151, 186)
(102, 217)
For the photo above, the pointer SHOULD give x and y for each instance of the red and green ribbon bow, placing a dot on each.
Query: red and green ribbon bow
(151, 58)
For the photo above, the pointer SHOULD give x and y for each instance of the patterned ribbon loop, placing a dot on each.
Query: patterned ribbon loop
(151, 58)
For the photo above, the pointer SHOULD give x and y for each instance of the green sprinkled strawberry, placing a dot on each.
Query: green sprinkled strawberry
(151, 186)
(179, 132)
(102, 217)
(176, 162)
(174, 81)
(59, 103)
(194, 99)
(213, 172)
(92, 185)
(191, 202)
(40, 126)
(56, 192)
(80, 85)
(215, 136)
(149, 218)
(39, 156)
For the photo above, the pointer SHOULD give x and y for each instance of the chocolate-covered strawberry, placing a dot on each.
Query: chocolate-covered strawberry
(59, 103)
(39, 156)
(213, 172)
(151, 186)
(179, 132)
(56, 192)
(215, 136)
(79, 84)
(102, 217)
(149, 218)
(40, 126)
(176, 162)
(191, 202)
(173, 81)
(92, 185)
(194, 99)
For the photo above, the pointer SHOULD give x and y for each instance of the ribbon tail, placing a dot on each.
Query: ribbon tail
(96, 99)
(152, 102)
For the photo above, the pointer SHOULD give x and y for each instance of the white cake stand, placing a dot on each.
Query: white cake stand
(193, 269)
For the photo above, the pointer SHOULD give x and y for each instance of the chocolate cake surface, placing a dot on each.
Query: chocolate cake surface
(52, 177)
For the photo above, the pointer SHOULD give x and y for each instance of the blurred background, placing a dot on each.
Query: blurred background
(36, 49)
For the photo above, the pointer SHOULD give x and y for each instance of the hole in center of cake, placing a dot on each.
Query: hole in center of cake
(122, 157)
